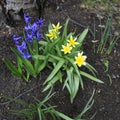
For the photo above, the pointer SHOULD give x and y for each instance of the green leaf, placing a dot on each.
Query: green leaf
(20, 64)
(53, 81)
(40, 57)
(12, 68)
(64, 34)
(55, 70)
(86, 108)
(90, 77)
(72, 63)
(17, 53)
(35, 45)
(43, 43)
(42, 66)
(55, 57)
(75, 86)
(80, 81)
(48, 97)
(26, 77)
(36, 65)
(70, 76)
(82, 36)
(112, 43)
(63, 116)
(22, 102)
(68, 87)
(72, 83)
(25, 113)
(68, 81)
(91, 68)
(51, 46)
(58, 51)
(39, 113)
(29, 67)
(40, 62)
(110, 78)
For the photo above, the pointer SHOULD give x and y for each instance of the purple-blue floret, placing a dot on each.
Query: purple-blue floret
(27, 18)
(32, 32)
(21, 47)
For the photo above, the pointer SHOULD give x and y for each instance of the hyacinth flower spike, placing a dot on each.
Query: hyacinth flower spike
(33, 30)
(27, 18)
(17, 39)
(40, 22)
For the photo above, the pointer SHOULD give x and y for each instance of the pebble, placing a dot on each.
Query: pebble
(113, 76)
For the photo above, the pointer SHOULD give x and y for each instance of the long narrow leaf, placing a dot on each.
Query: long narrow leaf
(29, 67)
(53, 81)
(49, 95)
(35, 45)
(55, 57)
(20, 64)
(40, 57)
(72, 63)
(91, 69)
(87, 107)
(63, 116)
(55, 70)
(12, 68)
(40, 62)
(75, 86)
(17, 53)
(64, 34)
(36, 65)
(16, 100)
(82, 36)
(42, 66)
(27, 64)
(43, 43)
(39, 113)
(90, 77)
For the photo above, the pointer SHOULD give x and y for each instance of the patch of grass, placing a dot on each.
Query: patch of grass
(105, 4)
(42, 110)
(110, 79)
(107, 40)
(106, 64)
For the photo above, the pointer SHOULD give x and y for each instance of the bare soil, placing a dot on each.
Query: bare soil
(107, 96)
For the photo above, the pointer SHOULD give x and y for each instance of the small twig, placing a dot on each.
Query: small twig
(4, 103)
(83, 26)
(73, 21)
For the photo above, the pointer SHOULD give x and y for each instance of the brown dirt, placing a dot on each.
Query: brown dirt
(107, 97)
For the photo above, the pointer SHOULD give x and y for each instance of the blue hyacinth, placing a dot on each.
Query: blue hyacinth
(27, 18)
(21, 47)
(32, 32)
